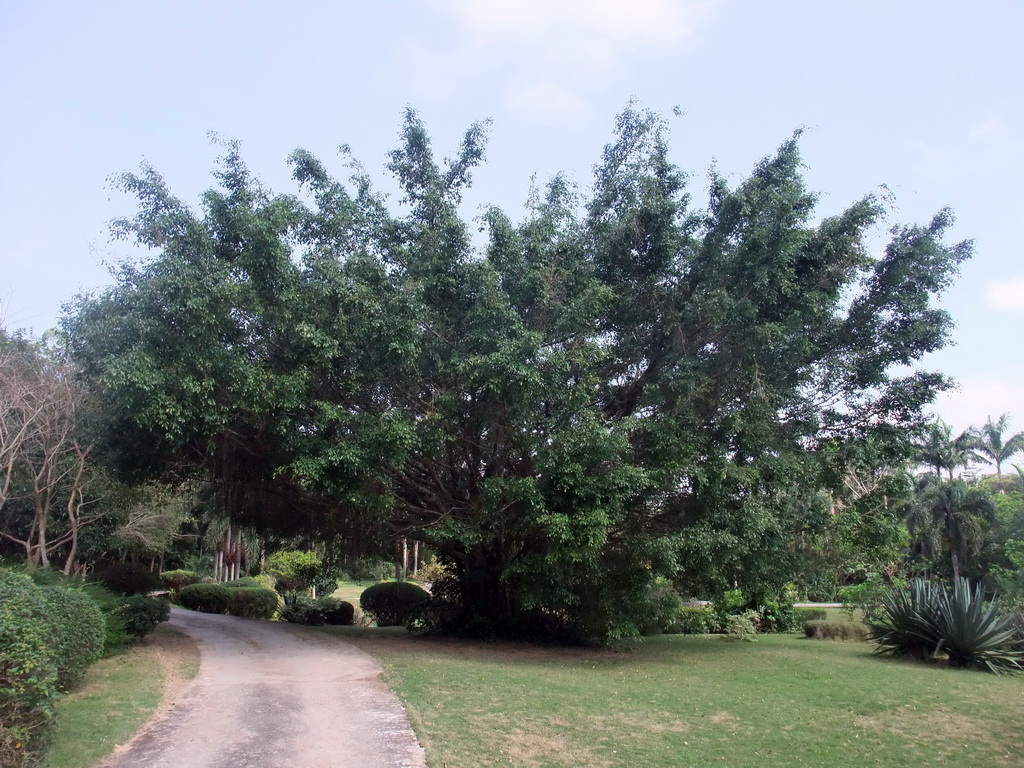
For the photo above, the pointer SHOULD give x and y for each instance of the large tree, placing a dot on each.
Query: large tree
(617, 387)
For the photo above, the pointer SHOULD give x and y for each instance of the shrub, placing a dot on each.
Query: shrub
(28, 669)
(925, 620)
(431, 571)
(811, 614)
(128, 579)
(253, 602)
(207, 598)
(742, 626)
(866, 597)
(661, 608)
(835, 630)
(175, 580)
(323, 610)
(777, 616)
(79, 632)
(116, 635)
(141, 614)
(392, 603)
(294, 570)
(695, 621)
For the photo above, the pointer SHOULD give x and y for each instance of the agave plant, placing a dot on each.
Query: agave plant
(973, 633)
(902, 626)
(926, 620)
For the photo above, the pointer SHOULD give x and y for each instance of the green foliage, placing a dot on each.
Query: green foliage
(865, 598)
(142, 614)
(116, 635)
(926, 620)
(693, 620)
(392, 603)
(252, 602)
(663, 605)
(778, 616)
(811, 614)
(208, 598)
(615, 389)
(319, 612)
(370, 570)
(128, 579)
(246, 582)
(1011, 580)
(835, 630)
(294, 570)
(431, 571)
(80, 632)
(741, 626)
(29, 661)
(175, 580)
(950, 516)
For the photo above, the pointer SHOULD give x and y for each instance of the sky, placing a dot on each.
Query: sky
(923, 100)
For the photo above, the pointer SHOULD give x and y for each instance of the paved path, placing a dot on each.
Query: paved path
(275, 695)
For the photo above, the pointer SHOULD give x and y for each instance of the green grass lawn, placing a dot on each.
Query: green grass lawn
(696, 701)
(116, 697)
(351, 590)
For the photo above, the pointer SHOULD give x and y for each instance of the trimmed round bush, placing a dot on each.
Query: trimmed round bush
(336, 612)
(141, 614)
(206, 598)
(80, 630)
(253, 602)
(175, 580)
(28, 669)
(128, 579)
(392, 603)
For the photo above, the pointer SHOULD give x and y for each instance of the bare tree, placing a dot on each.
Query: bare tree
(43, 460)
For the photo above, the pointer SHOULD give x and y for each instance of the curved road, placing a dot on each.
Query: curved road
(269, 695)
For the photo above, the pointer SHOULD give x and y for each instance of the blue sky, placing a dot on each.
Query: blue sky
(925, 98)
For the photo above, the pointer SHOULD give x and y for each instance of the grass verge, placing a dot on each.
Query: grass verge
(696, 701)
(117, 696)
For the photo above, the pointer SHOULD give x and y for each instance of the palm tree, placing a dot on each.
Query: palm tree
(939, 450)
(990, 442)
(950, 514)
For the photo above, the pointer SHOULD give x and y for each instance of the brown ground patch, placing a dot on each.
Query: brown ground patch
(942, 734)
(178, 655)
(532, 750)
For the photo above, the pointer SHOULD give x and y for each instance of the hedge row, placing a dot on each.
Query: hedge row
(252, 602)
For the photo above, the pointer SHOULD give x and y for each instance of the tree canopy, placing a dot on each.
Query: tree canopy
(618, 387)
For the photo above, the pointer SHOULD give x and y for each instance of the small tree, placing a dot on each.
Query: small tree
(992, 446)
(951, 513)
(44, 460)
(294, 570)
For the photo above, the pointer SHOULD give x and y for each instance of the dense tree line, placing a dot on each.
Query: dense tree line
(618, 387)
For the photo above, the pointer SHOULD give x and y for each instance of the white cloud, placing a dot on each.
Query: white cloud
(1006, 295)
(548, 54)
(549, 100)
(583, 24)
